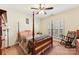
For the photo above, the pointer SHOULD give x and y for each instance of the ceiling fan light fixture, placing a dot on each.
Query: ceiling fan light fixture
(41, 12)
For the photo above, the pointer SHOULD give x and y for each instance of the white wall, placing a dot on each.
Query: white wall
(13, 16)
(37, 25)
(70, 18)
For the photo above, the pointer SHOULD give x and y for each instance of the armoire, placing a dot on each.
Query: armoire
(2, 22)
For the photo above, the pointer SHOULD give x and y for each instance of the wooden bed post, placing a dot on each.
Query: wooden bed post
(33, 27)
(33, 34)
(19, 37)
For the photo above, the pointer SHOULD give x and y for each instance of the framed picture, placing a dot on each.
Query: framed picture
(27, 21)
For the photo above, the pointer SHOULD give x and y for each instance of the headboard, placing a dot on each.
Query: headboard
(77, 34)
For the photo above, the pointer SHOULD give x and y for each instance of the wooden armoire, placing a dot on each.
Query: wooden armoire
(1, 12)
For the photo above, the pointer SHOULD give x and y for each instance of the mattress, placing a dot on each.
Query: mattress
(37, 37)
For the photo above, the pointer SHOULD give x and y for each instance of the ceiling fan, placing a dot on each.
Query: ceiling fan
(42, 8)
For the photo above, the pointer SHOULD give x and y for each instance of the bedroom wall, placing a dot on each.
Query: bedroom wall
(13, 16)
(70, 17)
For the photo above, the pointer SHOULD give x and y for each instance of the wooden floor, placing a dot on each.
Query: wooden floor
(14, 50)
(57, 49)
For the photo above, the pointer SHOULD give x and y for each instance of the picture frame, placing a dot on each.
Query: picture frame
(27, 21)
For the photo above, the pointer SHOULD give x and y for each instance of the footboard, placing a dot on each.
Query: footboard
(43, 45)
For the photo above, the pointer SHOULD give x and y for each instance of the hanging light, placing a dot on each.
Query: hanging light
(41, 12)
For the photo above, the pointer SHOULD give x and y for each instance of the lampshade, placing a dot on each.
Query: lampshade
(41, 12)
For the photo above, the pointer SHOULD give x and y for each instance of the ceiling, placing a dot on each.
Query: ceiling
(26, 8)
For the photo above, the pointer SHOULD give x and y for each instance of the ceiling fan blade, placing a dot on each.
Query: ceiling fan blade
(37, 13)
(48, 8)
(35, 8)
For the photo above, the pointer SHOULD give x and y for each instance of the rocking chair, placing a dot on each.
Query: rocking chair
(69, 40)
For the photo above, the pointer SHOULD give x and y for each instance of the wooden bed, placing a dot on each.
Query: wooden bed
(77, 42)
(40, 44)
(37, 44)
